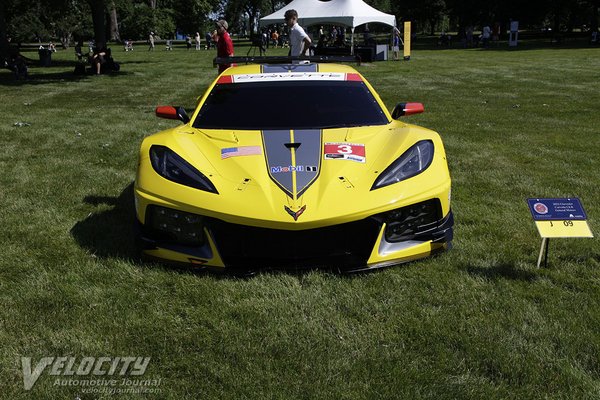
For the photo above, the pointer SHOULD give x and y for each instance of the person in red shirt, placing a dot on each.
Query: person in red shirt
(224, 44)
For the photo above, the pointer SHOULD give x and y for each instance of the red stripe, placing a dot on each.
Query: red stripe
(353, 77)
(224, 79)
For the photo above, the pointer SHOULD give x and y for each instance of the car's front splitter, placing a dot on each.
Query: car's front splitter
(350, 247)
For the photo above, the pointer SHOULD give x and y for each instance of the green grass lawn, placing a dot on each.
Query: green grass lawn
(478, 322)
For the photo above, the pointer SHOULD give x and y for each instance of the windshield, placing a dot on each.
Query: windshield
(290, 105)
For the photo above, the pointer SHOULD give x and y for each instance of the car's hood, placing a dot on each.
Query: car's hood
(293, 175)
(295, 160)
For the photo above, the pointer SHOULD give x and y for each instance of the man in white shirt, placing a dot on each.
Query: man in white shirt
(299, 40)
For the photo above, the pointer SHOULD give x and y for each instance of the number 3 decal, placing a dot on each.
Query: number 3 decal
(344, 149)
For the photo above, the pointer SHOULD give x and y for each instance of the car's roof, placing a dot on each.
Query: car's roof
(267, 68)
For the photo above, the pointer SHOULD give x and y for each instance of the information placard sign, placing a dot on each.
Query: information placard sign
(556, 209)
(564, 229)
(559, 218)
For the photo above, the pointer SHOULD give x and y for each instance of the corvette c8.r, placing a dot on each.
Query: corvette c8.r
(295, 165)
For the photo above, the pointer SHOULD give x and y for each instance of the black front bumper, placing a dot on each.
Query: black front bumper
(345, 247)
(340, 246)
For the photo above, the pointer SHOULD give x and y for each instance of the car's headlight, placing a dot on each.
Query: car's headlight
(171, 166)
(412, 162)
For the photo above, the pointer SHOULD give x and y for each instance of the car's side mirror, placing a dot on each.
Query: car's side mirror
(170, 112)
(403, 109)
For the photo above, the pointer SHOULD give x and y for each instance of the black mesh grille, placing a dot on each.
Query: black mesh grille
(340, 246)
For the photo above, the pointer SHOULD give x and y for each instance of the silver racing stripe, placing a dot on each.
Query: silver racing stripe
(293, 158)
(279, 159)
(308, 158)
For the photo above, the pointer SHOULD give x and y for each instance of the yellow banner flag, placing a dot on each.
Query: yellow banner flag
(407, 40)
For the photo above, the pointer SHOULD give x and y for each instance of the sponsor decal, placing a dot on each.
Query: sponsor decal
(290, 76)
(291, 168)
(540, 208)
(345, 151)
(240, 151)
(295, 214)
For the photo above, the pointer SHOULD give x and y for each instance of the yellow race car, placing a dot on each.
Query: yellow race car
(291, 166)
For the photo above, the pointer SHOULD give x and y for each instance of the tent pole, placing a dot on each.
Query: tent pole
(352, 43)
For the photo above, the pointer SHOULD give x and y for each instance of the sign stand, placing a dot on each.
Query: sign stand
(558, 218)
(544, 252)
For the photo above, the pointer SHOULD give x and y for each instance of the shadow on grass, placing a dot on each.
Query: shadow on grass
(40, 79)
(501, 271)
(98, 200)
(109, 234)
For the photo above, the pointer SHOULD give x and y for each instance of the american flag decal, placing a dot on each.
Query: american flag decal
(240, 151)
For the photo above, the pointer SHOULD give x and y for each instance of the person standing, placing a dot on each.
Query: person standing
(151, 41)
(188, 41)
(224, 44)
(208, 38)
(299, 40)
(197, 39)
(469, 36)
(496, 32)
(396, 44)
(486, 32)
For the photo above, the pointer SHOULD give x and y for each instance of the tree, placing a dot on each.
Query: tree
(235, 10)
(143, 19)
(381, 5)
(191, 15)
(114, 23)
(425, 12)
(595, 5)
(98, 18)
(3, 35)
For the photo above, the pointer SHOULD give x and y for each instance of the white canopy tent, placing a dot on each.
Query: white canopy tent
(350, 13)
